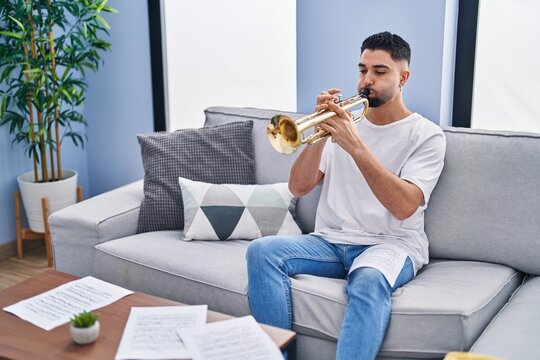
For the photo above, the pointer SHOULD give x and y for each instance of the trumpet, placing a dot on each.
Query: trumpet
(286, 135)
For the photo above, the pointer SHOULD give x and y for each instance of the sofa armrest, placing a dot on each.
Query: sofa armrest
(75, 230)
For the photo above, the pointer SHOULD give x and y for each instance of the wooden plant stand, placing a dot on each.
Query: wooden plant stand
(27, 234)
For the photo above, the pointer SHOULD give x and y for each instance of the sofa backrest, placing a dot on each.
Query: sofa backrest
(486, 205)
(270, 166)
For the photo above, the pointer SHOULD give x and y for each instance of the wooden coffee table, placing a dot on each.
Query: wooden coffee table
(20, 339)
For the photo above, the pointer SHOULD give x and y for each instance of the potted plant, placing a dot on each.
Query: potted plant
(84, 328)
(46, 47)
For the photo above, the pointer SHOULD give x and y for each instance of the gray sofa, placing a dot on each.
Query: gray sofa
(479, 291)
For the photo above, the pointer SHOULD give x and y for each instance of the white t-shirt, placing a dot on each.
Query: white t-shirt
(349, 213)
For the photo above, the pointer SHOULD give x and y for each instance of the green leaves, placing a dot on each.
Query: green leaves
(46, 49)
(12, 34)
(102, 21)
(84, 319)
(20, 24)
(15, 120)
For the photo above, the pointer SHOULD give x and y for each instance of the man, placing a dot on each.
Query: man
(377, 177)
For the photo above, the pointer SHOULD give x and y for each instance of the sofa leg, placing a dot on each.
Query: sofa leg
(291, 350)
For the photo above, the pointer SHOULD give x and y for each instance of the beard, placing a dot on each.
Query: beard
(379, 98)
(376, 102)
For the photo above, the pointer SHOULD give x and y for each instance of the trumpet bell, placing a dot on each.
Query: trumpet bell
(283, 134)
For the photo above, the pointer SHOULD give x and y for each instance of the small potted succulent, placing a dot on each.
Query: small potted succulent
(85, 328)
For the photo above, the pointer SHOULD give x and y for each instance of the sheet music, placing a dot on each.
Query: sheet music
(55, 307)
(239, 338)
(386, 258)
(151, 332)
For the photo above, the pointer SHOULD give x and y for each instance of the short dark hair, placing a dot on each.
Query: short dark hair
(398, 48)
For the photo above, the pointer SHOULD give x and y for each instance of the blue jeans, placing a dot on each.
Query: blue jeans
(271, 260)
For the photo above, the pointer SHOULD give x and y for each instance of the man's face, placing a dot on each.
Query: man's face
(382, 75)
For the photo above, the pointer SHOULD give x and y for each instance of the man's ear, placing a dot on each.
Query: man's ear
(404, 76)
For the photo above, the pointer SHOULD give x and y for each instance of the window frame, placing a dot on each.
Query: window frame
(464, 63)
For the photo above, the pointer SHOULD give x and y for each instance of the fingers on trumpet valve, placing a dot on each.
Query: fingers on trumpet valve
(321, 107)
(330, 95)
(332, 91)
(336, 107)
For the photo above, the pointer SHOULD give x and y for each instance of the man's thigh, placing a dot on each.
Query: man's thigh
(303, 254)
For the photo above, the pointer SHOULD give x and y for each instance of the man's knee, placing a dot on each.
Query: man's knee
(367, 275)
(366, 281)
(264, 249)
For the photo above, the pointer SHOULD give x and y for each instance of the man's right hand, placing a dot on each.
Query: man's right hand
(305, 173)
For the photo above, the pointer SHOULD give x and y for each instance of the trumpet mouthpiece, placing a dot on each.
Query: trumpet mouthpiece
(365, 92)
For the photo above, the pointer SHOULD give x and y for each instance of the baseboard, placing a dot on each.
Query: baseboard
(9, 249)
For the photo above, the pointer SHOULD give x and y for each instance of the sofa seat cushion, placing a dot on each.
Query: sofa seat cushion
(443, 309)
(513, 334)
(192, 272)
(455, 299)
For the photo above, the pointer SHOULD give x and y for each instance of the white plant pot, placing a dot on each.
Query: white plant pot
(84, 336)
(59, 194)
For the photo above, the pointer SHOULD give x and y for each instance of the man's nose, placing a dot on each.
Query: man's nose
(368, 80)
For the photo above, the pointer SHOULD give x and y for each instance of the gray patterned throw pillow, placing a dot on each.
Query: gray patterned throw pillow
(221, 154)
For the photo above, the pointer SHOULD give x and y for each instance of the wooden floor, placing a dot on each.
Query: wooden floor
(13, 270)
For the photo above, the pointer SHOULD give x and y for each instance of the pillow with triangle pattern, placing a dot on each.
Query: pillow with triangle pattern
(232, 211)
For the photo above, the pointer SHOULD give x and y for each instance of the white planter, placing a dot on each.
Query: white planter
(60, 194)
(84, 336)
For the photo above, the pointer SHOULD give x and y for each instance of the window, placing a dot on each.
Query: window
(507, 70)
(240, 53)
(497, 65)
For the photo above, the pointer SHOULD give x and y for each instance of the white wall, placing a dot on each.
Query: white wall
(507, 76)
(233, 53)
